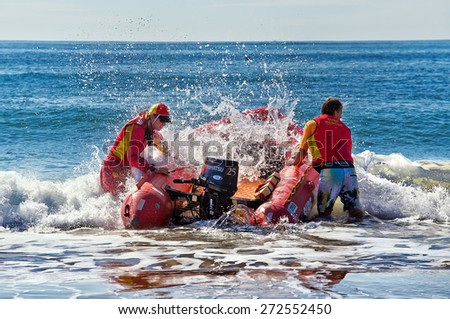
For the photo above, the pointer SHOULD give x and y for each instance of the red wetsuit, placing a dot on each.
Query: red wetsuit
(124, 154)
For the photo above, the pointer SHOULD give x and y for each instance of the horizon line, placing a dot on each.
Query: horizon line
(229, 41)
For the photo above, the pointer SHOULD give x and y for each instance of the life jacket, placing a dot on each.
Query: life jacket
(331, 142)
(129, 144)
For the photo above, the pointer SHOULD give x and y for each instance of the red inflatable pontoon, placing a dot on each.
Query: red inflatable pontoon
(150, 205)
(292, 198)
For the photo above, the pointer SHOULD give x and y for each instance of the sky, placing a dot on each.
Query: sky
(224, 20)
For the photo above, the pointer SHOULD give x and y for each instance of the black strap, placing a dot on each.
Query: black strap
(337, 164)
(149, 137)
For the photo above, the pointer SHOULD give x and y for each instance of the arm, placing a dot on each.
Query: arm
(301, 154)
(299, 157)
(137, 145)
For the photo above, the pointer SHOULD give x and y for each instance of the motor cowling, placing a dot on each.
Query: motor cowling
(220, 176)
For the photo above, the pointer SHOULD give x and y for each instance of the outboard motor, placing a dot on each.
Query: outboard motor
(220, 178)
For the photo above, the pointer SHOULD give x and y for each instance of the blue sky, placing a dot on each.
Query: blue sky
(224, 20)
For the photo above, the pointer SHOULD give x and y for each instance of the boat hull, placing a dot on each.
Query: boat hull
(151, 205)
(292, 199)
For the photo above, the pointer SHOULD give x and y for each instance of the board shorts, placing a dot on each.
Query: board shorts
(336, 182)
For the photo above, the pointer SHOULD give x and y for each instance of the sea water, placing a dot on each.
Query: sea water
(62, 104)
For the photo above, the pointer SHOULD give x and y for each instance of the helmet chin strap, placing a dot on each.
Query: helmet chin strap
(151, 122)
(149, 130)
(154, 121)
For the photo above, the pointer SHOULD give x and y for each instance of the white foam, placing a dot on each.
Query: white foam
(393, 187)
(242, 139)
(29, 202)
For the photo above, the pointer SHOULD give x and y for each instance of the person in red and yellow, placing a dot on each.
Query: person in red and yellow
(125, 158)
(330, 143)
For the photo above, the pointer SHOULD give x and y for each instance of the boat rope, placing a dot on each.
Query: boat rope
(297, 185)
(265, 189)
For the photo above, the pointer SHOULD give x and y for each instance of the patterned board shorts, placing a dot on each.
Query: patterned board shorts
(336, 182)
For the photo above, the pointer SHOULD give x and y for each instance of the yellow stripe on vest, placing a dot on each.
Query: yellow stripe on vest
(124, 145)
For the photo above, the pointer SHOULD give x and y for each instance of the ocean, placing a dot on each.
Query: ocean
(62, 104)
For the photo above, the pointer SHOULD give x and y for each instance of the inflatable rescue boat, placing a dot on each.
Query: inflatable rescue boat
(184, 196)
(164, 199)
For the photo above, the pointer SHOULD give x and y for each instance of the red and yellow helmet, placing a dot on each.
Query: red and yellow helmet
(161, 111)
